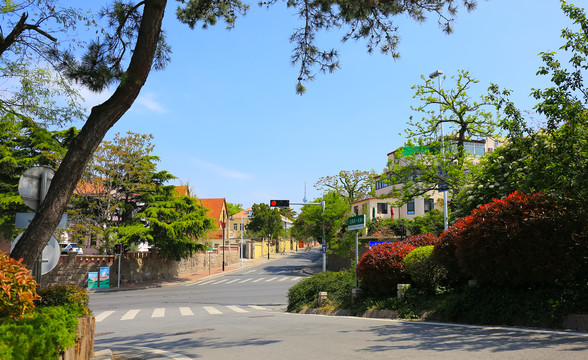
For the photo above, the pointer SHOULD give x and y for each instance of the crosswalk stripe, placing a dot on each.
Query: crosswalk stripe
(211, 310)
(271, 279)
(103, 315)
(257, 307)
(258, 280)
(232, 281)
(244, 281)
(284, 278)
(157, 313)
(130, 315)
(186, 311)
(250, 271)
(237, 309)
(206, 282)
(220, 281)
(296, 278)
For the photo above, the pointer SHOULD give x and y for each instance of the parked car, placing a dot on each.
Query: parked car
(66, 248)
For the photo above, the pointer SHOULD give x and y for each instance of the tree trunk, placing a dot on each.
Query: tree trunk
(101, 119)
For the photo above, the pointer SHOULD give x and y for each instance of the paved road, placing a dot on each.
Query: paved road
(240, 316)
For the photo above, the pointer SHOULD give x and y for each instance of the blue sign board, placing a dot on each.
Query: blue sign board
(374, 243)
(324, 249)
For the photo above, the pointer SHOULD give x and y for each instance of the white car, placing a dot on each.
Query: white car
(66, 248)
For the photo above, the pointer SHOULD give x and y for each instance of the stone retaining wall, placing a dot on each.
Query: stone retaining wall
(134, 267)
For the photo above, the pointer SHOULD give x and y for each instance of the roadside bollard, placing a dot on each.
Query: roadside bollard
(322, 298)
(402, 288)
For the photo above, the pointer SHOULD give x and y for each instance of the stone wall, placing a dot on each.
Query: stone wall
(134, 267)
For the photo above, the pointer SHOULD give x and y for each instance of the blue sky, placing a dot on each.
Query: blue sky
(226, 118)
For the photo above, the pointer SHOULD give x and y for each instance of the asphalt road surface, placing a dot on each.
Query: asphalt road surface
(240, 315)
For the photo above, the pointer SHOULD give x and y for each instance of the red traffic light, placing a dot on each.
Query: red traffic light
(280, 203)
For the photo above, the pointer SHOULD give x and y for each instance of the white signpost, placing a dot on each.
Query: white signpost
(32, 188)
(356, 223)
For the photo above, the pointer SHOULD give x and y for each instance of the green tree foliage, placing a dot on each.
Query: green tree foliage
(24, 144)
(352, 185)
(265, 221)
(133, 43)
(553, 158)
(422, 165)
(311, 222)
(232, 209)
(111, 191)
(430, 223)
(33, 90)
(171, 224)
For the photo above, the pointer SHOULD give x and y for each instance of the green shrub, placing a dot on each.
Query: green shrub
(382, 268)
(18, 288)
(338, 286)
(44, 335)
(66, 295)
(537, 306)
(424, 271)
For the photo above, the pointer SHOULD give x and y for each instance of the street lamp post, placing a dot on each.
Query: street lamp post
(224, 225)
(433, 75)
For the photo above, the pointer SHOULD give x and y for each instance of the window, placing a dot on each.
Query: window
(356, 210)
(410, 207)
(429, 205)
(382, 208)
(235, 226)
(474, 148)
(241, 227)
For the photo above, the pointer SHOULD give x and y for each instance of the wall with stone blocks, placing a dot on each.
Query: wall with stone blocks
(134, 267)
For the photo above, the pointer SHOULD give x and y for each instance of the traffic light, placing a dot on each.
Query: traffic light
(118, 248)
(280, 203)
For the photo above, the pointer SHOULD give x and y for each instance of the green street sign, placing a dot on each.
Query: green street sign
(356, 222)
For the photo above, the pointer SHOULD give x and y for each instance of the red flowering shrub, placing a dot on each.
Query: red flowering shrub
(18, 289)
(381, 268)
(517, 240)
(422, 240)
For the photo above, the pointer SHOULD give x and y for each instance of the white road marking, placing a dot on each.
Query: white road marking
(186, 311)
(271, 279)
(257, 307)
(130, 315)
(211, 310)
(237, 309)
(104, 315)
(220, 281)
(258, 280)
(244, 281)
(232, 281)
(158, 313)
(284, 278)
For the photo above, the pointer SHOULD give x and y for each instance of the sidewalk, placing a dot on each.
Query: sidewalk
(189, 278)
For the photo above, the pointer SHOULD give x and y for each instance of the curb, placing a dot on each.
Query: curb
(102, 355)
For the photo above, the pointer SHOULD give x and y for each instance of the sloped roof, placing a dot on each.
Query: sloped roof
(243, 213)
(90, 187)
(215, 208)
(183, 190)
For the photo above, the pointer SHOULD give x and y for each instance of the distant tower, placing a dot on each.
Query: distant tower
(304, 200)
